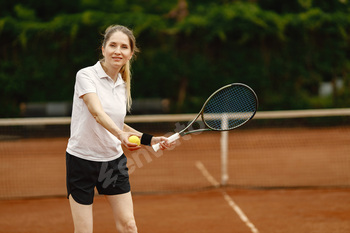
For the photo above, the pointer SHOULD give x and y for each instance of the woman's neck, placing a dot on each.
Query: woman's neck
(111, 72)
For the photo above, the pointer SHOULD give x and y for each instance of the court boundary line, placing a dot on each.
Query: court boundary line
(200, 166)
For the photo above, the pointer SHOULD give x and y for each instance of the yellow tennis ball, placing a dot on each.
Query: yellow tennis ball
(135, 139)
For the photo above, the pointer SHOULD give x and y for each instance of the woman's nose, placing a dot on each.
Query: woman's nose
(117, 50)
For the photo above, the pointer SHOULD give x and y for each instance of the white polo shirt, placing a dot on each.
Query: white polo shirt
(88, 139)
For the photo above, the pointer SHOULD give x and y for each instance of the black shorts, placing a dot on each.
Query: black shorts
(110, 178)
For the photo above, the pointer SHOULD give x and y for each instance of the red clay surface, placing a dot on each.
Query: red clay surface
(271, 211)
(318, 158)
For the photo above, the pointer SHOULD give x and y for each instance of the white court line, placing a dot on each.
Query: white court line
(207, 175)
(229, 200)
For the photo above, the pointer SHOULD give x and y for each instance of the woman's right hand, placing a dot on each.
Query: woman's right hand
(124, 138)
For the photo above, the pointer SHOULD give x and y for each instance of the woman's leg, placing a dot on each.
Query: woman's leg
(82, 216)
(123, 212)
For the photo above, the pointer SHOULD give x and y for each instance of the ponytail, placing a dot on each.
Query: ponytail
(126, 75)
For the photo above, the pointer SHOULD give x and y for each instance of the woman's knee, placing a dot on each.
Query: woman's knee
(130, 227)
(82, 231)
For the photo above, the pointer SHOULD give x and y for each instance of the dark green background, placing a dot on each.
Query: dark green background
(282, 49)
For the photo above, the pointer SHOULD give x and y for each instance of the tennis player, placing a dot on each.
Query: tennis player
(94, 156)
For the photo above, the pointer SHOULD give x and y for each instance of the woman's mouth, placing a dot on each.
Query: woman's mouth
(117, 58)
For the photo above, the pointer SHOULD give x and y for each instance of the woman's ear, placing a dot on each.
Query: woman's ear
(103, 51)
(132, 54)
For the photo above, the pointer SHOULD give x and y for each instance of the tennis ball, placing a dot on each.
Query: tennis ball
(135, 139)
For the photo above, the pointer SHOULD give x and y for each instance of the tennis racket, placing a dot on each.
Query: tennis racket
(227, 108)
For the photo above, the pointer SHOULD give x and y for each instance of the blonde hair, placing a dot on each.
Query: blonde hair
(125, 71)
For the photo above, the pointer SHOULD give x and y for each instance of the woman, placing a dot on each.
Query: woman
(94, 153)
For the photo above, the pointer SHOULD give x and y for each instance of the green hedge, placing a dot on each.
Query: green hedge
(283, 50)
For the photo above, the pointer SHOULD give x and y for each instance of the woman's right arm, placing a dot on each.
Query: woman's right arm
(95, 108)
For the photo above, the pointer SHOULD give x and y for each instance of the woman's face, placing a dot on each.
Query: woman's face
(117, 50)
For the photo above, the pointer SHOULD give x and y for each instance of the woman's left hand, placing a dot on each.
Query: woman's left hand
(163, 142)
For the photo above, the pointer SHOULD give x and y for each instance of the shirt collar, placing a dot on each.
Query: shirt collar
(102, 74)
(100, 71)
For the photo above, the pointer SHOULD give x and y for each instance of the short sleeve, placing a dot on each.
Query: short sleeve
(84, 83)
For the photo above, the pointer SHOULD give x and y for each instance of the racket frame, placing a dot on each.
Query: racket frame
(182, 132)
(176, 136)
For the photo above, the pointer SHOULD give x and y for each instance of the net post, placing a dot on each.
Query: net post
(224, 157)
(224, 150)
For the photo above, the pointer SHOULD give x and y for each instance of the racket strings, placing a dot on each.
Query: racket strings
(230, 107)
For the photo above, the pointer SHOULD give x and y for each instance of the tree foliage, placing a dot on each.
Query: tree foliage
(284, 50)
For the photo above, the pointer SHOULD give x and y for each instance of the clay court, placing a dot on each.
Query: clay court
(280, 180)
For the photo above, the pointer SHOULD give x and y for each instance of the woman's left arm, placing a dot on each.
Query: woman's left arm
(162, 140)
(127, 128)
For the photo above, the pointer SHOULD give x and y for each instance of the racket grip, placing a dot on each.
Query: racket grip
(171, 139)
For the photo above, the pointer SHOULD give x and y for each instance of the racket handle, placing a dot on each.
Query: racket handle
(171, 139)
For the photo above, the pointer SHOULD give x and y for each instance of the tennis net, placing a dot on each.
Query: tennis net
(279, 149)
